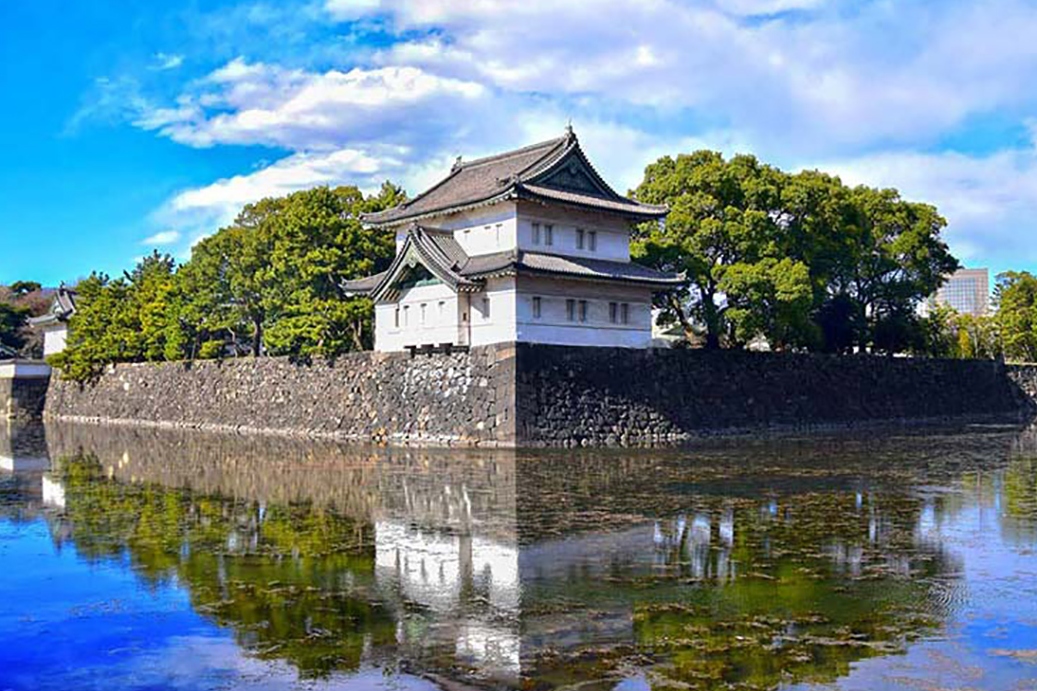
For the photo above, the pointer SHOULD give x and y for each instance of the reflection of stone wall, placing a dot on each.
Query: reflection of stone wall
(460, 398)
(22, 398)
(547, 395)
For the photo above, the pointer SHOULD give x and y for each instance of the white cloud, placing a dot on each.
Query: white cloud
(168, 61)
(990, 202)
(200, 211)
(825, 80)
(255, 103)
(164, 237)
(862, 88)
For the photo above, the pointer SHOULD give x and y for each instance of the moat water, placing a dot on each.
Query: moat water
(144, 559)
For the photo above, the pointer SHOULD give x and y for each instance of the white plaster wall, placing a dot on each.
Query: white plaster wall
(499, 325)
(479, 231)
(613, 233)
(554, 327)
(440, 324)
(54, 339)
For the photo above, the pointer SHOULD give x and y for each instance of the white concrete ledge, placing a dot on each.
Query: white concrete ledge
(24, 369)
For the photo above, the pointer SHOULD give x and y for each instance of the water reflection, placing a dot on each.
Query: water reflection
(757, 565)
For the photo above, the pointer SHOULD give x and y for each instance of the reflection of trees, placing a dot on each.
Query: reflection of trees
(746, 563)
(291, 580)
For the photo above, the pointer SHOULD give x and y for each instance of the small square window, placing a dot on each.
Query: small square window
(592, 240)
(549, 234)
(613, 312)
(570, 310)
(580, 238)
(536, 308)
(583, 310)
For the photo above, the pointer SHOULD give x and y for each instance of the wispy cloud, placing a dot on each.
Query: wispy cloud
(164, 237)
(871, 91)
(167, 61)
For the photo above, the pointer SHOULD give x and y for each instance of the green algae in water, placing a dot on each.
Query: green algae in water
(748, 565)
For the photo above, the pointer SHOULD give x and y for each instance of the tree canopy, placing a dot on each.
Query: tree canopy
(799, 259)
(18, 302)
(269, 283)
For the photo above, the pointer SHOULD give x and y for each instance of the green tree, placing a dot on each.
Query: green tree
(12, 321)
(722, 233)
(800, 259)
(121, 320)
(1015, 296)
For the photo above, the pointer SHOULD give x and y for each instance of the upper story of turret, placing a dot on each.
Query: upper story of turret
(544, 198)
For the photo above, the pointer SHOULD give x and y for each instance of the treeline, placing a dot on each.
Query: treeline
(801, 260)
(1009, 332)
(267, 284)
(18, 302)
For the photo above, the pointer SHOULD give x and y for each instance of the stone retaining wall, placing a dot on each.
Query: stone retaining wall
(569, 396)
(548, 395)
(465, 398)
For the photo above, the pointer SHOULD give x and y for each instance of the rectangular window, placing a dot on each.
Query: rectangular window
(570, 310)
(579, 238)
(406, 315)
(613, 312)
(592, 240)
(624, 313)
(423, 306)
(583, 310)
(536, 308)
(499, 226)
(442, 308)
(396, 317)
(486, 308)
(549, 234)
(536, 233)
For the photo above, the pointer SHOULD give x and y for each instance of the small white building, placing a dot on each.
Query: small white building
(529, 246)
(54, 324)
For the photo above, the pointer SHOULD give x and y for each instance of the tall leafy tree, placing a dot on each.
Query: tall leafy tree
(723, 233)
(1016, 298)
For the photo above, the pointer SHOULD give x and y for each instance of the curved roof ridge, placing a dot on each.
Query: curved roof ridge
(495, 158)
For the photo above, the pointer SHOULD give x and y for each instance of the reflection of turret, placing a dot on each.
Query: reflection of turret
(504, 565)
(22, 448)
(53, 490)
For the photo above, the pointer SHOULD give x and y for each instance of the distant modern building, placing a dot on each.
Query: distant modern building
(54, 324)
(967, 291)
(531, 245)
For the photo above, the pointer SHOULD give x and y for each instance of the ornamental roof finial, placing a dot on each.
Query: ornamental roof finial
(457, 163)
(569, 128)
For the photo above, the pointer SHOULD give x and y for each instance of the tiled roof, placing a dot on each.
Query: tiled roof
(440, 253)
(580, 267)
(532, 172)
(61, 308)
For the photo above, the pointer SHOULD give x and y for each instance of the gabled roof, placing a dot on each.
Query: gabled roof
(439, 252)
(555, 171)
(61, 308)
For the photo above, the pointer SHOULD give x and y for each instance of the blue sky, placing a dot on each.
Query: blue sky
(133, 125)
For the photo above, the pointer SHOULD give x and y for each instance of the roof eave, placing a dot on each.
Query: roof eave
(506, 194)
(639, 213)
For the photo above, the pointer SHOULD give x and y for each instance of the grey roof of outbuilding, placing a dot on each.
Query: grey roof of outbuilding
(62, 307)
(440, 253)
(531, 173)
